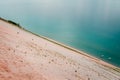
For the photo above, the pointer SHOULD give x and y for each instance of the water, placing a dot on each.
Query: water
(92, 26)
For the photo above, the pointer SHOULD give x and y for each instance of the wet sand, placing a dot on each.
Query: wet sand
(25, 56)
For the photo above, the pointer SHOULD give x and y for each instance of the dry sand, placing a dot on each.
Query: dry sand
(24, 56)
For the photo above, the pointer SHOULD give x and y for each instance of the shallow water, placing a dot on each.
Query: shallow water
(92, 26)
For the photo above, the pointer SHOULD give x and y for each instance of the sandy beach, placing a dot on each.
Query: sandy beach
(25, 56)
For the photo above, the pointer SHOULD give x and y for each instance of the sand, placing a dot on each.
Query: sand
(25, 56)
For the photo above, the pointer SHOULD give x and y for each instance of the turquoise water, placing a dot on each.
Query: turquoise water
(92, 26)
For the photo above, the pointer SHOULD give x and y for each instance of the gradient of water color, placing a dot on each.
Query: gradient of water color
(92, 26)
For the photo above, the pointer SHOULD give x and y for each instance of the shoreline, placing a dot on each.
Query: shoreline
(52, 49)
(58, 43)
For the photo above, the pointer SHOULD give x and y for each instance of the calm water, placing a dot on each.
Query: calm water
(92, 26)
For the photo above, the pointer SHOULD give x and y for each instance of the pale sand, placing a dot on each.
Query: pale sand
(24, 56)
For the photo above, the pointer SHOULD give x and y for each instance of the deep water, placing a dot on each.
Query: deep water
(92, 26)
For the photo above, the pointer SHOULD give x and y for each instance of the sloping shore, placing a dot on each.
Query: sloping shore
(25, 56)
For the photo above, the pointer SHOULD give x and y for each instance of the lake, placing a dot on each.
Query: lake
(92, 26)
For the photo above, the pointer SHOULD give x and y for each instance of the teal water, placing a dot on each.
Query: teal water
(92, 26)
